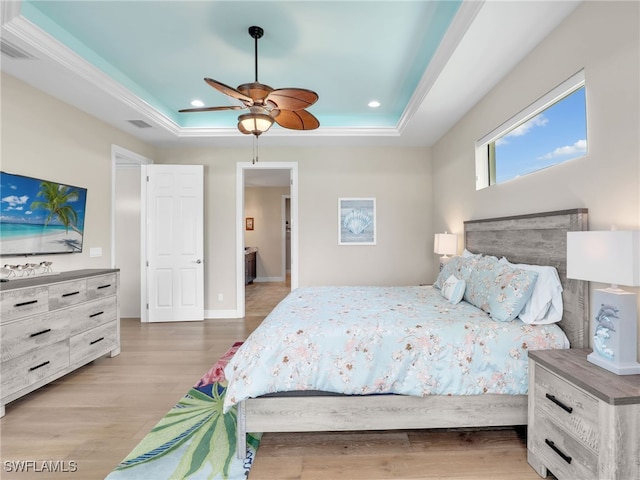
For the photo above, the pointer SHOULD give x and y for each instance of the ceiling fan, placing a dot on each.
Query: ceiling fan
(285, 106)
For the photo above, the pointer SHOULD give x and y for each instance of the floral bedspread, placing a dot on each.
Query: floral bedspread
(366, 340)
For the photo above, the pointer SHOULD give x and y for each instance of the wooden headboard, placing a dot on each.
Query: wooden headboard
(539, 239)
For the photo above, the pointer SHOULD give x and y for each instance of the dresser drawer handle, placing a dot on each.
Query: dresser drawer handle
(559, 403)
(103, 286)
(24, 304)
(40, 333)
(39, 366)
(96, 341)
(95, 314)
(553, 447)
(70, 294)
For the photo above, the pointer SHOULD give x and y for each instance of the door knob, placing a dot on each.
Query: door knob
(198, 261)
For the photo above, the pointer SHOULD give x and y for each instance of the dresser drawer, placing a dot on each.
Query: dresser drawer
(561, 452)
(23, 302)
(34, 366)
(29, 334)
(100, 287)
(93, 314)
(67, 294)
(88, 345)
(572, 409)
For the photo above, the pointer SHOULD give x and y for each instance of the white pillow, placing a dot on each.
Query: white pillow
(453, 289)
(545, 305)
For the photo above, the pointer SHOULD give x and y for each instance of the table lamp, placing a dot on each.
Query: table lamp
(610, 257)
(445, 244)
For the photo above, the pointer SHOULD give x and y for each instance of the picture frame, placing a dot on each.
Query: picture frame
(248, 223)
(356, 221)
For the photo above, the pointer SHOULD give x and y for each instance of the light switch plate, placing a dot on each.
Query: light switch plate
(95, 252)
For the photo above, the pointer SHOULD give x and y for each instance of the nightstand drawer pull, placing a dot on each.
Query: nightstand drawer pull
(553, 447)
(24, 304)
(40, 333)
(559, 403)
(39, 366)
(95, 314)
(103, 286)
(70, 294)
(96, 341)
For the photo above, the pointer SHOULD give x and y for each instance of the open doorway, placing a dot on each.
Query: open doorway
(267, 197)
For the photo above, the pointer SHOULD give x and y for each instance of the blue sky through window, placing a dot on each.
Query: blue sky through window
(555, 135)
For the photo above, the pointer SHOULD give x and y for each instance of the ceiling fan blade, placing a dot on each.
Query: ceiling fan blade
(297, 120)
(293, 98)
(211, 109)
(227, 90)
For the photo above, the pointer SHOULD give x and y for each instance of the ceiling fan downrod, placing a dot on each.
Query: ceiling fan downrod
(256, 33)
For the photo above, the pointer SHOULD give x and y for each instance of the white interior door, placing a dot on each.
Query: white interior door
(175, 268)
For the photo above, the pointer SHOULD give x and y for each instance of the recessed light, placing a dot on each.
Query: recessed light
(374, 104)
(197, 103)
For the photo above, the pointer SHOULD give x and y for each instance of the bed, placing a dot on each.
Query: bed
(537, 239)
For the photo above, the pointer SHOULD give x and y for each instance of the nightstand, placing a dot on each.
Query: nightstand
(584, 421)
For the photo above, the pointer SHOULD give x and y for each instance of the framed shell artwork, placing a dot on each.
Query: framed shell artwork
(356, 221)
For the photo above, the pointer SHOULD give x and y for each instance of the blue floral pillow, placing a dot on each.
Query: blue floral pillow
(499, 289)
(459, 267)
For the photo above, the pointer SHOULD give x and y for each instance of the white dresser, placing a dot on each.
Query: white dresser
(51, 325)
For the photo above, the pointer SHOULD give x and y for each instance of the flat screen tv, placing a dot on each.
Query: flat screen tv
(40, 217)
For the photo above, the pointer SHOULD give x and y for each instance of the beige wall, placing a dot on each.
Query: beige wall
(399, 179)
(49, 139)
(264, 205)
(602, 38)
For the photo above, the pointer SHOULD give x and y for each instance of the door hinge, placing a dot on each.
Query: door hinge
(147, 306)
(147, 178)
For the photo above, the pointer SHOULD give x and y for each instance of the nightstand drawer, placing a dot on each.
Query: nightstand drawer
(562, 453)
(572, 409)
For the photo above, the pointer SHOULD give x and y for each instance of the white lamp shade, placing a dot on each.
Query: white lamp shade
(611, 256)
(445, 244)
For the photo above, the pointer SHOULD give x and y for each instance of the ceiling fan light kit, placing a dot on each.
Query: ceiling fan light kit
(254, 123)
(284, 106)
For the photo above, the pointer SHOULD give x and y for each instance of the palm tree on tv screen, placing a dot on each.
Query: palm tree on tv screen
(56, 201)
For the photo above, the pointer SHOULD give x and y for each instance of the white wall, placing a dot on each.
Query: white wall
(603, 38)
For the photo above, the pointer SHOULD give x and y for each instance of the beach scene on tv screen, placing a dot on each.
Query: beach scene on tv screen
(39, 216)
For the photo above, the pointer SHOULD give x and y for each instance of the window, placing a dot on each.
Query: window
(550, 131)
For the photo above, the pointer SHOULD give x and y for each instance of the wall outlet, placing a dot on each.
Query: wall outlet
(95, 252)
(220, 297)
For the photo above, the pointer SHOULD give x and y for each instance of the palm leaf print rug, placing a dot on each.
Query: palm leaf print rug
(195, 440)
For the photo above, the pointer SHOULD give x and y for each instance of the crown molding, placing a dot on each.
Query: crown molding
(456, 31)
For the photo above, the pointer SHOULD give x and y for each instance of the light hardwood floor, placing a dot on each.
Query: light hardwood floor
(96, 415)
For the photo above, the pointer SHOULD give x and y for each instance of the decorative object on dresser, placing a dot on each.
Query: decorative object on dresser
(583, 420)
(445, 244)
(52, 325)
(613, 257)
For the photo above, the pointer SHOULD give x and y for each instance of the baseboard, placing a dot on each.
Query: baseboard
(218, 314)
